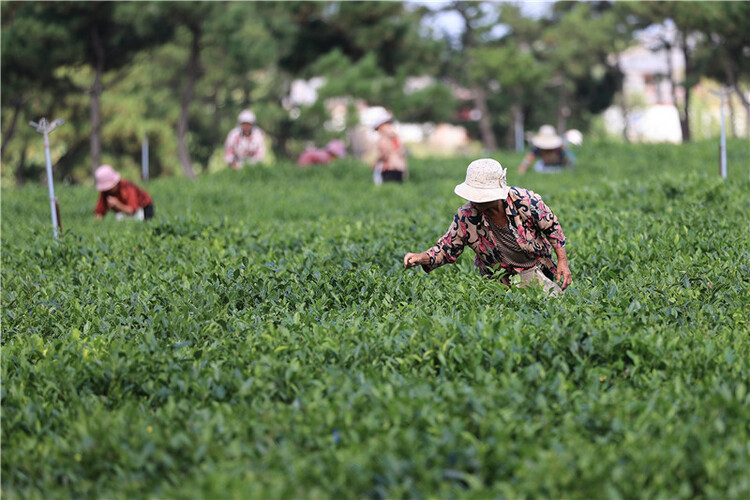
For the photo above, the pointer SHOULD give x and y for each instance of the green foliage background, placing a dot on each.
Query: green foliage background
(259, 338)
(119, 71)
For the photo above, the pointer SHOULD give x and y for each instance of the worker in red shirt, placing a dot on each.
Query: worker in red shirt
(120, 196)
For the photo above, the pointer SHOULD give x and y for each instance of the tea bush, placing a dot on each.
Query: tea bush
(260, 339)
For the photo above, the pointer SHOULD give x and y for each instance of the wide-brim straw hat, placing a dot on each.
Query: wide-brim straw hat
(547, 138)
(485, 181)
(106, 178)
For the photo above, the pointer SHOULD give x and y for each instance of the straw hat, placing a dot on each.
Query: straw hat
(547, 138)
(485, 181)
(246, 116)
(106, 178)
(337, 148)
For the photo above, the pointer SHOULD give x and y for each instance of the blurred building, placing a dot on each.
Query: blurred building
(647, 110)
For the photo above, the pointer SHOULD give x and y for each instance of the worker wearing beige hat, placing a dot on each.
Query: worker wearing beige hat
(549, 151)
(510, 229)
(390, 165)
(246, 143)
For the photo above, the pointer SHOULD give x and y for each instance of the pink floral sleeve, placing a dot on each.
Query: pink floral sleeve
(547, 221)
(450, 246)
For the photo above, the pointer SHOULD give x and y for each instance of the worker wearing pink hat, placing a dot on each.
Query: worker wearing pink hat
(120, 196)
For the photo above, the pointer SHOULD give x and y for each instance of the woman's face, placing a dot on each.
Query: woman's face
(114, 191)
(386, 128)
(487, 205)
(246, 128)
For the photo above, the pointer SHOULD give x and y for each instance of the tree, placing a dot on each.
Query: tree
(367, 50)
(725, 52)
(478, 19)
(514, 71)
(190, 16)
(104, 36)
(576, 45)
(557, 65)
(31, 51)
(678, 25)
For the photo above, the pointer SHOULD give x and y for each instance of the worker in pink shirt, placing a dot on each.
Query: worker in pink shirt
(315, 156)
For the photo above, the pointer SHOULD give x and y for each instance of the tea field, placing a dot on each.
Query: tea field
(260, 339)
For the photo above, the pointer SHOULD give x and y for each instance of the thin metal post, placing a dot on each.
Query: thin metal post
(44, 127)
(144, 158)
(723, 141)
(518, 129)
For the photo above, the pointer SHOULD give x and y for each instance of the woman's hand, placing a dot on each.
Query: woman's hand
(416, 259)
(113, 202)
(563, 271)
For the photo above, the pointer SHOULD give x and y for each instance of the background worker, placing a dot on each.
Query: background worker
(390, 165)
(549, 151)
(246, 143)
(120, 196)
(314, 156)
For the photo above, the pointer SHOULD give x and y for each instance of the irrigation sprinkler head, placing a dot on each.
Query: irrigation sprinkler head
(39, 126)
(722, 92)
(45, 126)
(56, 124)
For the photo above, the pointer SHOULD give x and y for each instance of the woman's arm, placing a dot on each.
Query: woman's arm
(260, 146)
(119, 206)
(384, 148)
(526, 163)
(446, 250)
(101, 207)
(546, 221)
(230, 156)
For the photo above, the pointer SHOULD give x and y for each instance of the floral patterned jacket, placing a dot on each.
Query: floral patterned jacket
(532, 222)
(243, 148)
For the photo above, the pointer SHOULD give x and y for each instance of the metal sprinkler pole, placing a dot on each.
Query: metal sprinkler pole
(44, 127)
(723, 144)
(723, 141)
(144, 158)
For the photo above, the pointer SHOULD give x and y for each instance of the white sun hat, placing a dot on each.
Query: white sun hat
(485, 181)
(246, 116)
(574, 137)
(547, 138)
(380, 116)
